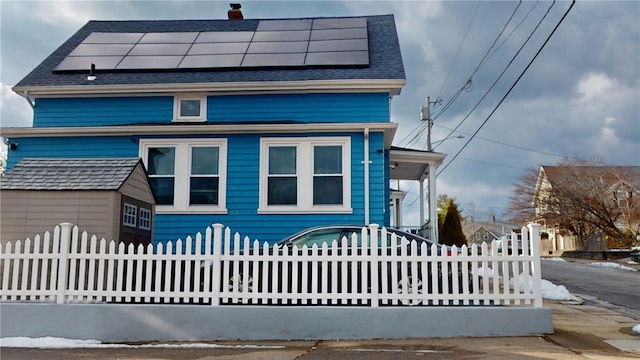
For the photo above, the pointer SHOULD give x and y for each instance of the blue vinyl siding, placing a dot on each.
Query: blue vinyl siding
(373, 107)
(369, 107)
(72, 147)
(242, 185)
(102, 111)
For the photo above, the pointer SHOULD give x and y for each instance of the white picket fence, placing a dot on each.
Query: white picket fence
(217, 268)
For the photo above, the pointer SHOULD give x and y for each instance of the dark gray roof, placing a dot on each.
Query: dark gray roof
(385, 60)
(68, 174)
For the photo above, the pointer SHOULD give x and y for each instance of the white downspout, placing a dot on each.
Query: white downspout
(29, 100)
(366, 163)
(433, 209)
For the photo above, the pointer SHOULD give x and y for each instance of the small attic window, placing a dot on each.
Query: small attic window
(190, 108)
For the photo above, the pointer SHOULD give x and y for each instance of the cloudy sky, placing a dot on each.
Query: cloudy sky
(579, 98)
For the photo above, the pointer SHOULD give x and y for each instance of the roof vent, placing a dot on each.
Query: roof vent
(235, 13)
(92, 73)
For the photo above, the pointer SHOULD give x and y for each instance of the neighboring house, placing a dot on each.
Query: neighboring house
(486, 231)
(110, 198)
(621, 183)
(267, 126)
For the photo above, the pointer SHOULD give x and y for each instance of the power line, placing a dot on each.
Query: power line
(420, 130)
(509, 145)
(511, 88)
(468, 83)
(501, 74)
(459, 47)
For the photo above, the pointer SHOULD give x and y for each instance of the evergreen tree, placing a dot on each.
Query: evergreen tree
(450, 232)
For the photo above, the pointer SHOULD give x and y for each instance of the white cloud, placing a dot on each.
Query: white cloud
(72, 14)
(594, 85)
(14, 109)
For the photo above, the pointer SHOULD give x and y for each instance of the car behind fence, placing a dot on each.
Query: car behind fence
(217, 268)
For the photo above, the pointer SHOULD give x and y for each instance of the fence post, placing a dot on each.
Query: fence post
(534, 233)
(65, 239)
(215, 265)
(373, 260)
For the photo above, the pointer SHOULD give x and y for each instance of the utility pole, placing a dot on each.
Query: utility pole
(425, 115)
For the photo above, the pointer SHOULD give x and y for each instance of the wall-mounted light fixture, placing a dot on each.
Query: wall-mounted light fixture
(11, 145)
(394, 165)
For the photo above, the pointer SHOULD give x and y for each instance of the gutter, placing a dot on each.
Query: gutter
(393, 87)
(389, 129)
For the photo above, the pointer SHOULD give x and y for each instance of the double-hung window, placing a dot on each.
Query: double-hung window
(187, 175)
(308, 175)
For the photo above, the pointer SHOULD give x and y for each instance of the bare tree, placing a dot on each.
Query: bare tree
(583, 197)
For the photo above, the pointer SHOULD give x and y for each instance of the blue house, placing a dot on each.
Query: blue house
(268, 126)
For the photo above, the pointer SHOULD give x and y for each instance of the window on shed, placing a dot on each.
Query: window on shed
(145, 219)
(129, 215)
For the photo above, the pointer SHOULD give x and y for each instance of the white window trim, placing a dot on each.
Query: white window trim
(203, 108)
(134, 215)
(147, 220)
(304, 173)
(183, 171)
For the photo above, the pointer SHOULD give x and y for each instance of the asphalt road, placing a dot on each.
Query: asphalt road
(607, 287)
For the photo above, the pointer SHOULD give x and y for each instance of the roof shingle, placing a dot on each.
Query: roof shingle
(385, 60)
(68, 174)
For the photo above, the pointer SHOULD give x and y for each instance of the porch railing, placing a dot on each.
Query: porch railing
(218, 268)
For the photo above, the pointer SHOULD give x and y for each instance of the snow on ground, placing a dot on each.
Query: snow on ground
(612, 265)
(636, 329)
(486, 272)
(62, 343)
(553, 259)
(550, 291)
(631, 262)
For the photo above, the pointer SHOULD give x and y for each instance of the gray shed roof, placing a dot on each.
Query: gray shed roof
(69, 174)
(385, 60)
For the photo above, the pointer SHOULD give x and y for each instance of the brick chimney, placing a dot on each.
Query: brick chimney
(235, 13)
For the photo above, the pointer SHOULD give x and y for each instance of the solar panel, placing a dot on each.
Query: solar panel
(257, 60)
(218, 48)
(84, 62)
(149, 62)
(336, 34)
(277, 47)
(210, 61)
(170, 38)
(297, 35)
(101, 49)
(338, 45)
(113, 38)
(279, 43)
(225, 37)
(160, 49)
